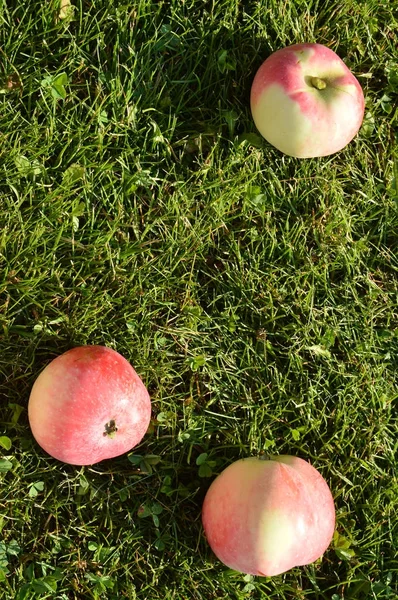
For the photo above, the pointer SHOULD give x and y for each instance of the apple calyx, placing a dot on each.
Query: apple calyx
(318, 83)
(110, 428)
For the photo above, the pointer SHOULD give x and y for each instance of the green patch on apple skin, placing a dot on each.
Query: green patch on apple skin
(275, 538)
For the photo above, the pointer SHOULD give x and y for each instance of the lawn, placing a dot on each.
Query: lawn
(255, 294)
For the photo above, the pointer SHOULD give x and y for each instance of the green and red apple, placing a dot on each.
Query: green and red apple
(306, 102)
(264, 517)
(87, 405)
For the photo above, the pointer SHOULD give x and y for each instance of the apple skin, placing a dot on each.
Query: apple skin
(294, 115)
(88, 405)
(264, 517)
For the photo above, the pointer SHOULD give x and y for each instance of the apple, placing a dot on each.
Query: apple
(264, 517)
(87, 405)
(306, 102)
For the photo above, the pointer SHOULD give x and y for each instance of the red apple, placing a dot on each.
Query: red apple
(264, 517)
(88, 405)
(306, 102)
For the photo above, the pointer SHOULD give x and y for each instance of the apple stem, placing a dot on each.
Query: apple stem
(318, 83)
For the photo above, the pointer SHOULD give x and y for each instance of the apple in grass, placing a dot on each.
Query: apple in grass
(87, 405)
(306, 102)
(264, 517)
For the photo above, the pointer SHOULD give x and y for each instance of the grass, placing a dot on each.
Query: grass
(255, 294)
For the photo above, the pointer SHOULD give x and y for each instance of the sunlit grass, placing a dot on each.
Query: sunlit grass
(255, 294)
